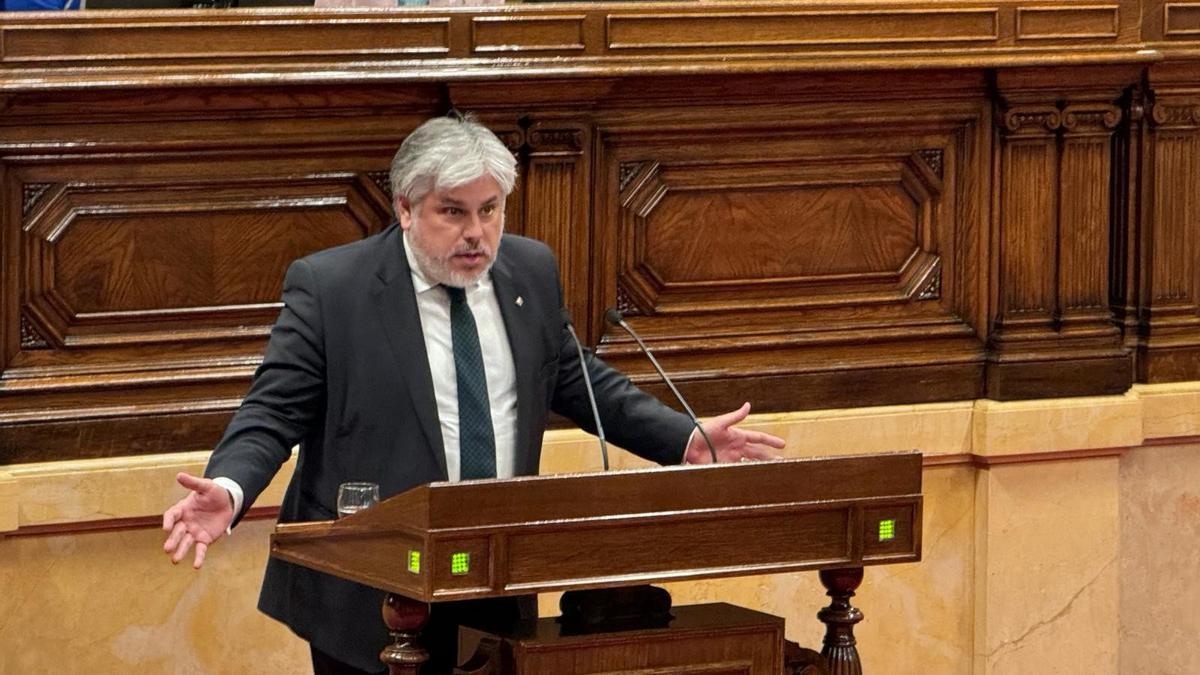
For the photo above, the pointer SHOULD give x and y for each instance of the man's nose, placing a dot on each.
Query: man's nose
(474, 227)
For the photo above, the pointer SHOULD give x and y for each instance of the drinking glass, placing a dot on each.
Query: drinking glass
(354, 497)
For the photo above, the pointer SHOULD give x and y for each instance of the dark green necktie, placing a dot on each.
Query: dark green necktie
(476, 439)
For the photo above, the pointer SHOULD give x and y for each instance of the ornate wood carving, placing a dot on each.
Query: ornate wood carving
(30, 194)
(932, 288)
(1056, 217)
(933, 159)
(405, 619)
(31, 338)
(1169, 337)
(839, 646)
(625, 302)
(627, 172)
(557, 205)
(381, 180)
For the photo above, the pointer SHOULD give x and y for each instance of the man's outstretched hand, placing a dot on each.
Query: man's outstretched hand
(732, 444)
(198, 519)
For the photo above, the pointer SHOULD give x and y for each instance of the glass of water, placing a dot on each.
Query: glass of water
(354, 497)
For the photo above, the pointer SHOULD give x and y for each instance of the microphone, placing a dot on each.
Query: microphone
(615, 318)
(587, 380)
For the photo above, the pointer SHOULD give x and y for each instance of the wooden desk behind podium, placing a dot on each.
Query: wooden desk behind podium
(456, 541)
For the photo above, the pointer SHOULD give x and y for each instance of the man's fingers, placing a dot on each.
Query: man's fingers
(731, 418)
(182, 550)
(193, 483)
(201, 551)
(765, 439)
(176, 536)
(759, 452)
(170, 517)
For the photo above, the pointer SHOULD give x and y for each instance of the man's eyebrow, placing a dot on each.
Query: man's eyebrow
(451, 201)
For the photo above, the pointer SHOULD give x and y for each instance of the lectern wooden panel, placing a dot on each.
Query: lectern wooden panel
(454, 541)
(715, 639)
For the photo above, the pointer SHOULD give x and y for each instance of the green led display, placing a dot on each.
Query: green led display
(414, 562)
(887, 529)
(460, 563)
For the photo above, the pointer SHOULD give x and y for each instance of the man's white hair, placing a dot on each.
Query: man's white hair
(447, 152)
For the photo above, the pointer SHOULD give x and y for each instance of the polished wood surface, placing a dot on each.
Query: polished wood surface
(714, 639)
(802, 204)
(554, 533)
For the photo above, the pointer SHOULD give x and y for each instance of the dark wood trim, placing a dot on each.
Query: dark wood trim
(1171, 440)
(119, 524)
(984, 461)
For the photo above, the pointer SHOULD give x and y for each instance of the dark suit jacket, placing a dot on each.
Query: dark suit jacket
(346, 376)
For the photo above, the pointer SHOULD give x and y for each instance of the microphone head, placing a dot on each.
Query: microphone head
(613, 316)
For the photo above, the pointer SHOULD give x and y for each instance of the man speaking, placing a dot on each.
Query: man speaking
(434, 350)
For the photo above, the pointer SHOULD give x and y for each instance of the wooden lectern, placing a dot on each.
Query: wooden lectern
(489, 538)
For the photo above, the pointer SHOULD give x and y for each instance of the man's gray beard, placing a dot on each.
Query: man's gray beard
(439, 271)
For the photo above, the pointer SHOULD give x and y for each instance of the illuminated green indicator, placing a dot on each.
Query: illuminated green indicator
(887, 529)
(414, 562)
(460, 563)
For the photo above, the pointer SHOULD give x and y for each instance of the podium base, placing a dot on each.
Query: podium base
(716, 639)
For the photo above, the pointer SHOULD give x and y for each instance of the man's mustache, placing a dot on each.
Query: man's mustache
(466, 249)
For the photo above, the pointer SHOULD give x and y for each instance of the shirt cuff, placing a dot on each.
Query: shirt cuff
(235, 491)
(691, 437)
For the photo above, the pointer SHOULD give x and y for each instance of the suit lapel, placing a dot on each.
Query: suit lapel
(522, 338)
(396, 303)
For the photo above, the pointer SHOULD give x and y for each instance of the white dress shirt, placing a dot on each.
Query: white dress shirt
(433, 306)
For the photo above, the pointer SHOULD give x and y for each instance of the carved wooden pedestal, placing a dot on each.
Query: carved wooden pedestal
(840, 650)
(404, 618)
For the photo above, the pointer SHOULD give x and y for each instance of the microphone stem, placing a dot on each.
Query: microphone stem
(587, 381)
(663, 374)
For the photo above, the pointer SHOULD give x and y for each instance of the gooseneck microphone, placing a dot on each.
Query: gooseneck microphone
(615, 317)
(587, 380)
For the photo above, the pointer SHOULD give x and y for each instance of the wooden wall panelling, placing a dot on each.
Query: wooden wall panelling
(549, 125)
(149, 255)
(558, 204)
(1128, 236)
(488, 42)
(1169, 348)
(1054, 334)
(801, 253)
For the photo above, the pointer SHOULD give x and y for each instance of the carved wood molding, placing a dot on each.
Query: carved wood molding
(30, 194)
(627, 172)
(933, 159)
(1172, 114)
(31, 338)
(1032, 119)
(548, 139)
(1090, 118)
(486, 42)
(381, 180)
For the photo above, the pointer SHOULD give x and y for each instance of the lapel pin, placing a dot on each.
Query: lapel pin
(520, 301)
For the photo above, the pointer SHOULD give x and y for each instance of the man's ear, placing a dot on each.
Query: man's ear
(403, 212)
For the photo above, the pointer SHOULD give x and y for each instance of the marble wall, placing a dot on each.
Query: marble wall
(1060, 536)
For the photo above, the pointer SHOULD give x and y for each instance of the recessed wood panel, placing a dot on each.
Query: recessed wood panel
(764, 29)
(138, 40)
(629, 549)
(1067, 22)
(830, 229)
(1182, 20)
(800, 232)
(124, 259)
(543, 33)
